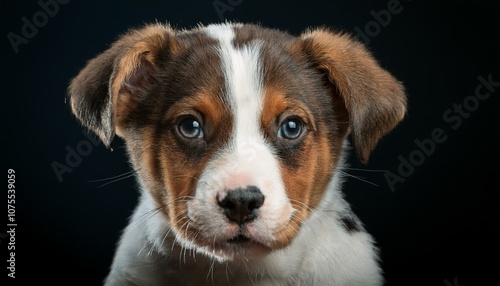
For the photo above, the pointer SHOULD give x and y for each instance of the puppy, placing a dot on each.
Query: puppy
(237, 134)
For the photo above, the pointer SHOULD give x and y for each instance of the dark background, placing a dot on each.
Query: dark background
(438, 227)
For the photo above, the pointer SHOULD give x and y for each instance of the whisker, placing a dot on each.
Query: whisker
(118, 177)
(313, 212)
(358, 178)
(247, 268)
(147, 215)
(186, 176)
(364, 170)
(227, 274)
(114, 181)
(150, 250)
(211, 270)
(165, 236)
(110, 178)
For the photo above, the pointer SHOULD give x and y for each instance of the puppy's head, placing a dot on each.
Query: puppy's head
(236, 130)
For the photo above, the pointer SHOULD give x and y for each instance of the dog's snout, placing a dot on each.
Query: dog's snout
(241, 205)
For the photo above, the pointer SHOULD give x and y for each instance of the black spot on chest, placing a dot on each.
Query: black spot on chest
(350, 223)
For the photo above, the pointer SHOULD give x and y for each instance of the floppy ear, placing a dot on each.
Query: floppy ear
(110, 85)
(375, 101)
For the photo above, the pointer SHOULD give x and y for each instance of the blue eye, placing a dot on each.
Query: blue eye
(290, 129)
(190, 128)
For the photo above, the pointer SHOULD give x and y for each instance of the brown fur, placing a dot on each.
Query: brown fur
(94, 92)
(145, 83)
(181, 170)
(374, 99)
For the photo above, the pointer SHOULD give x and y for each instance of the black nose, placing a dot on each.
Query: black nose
(241, 205)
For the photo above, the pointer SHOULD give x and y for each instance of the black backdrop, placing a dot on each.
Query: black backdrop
(436, 219)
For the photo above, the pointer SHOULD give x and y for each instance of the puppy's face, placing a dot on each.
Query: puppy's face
(236, 130)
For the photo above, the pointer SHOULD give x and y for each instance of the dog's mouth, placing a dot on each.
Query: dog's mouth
(238, 246)
(226, 240)
(239, 239)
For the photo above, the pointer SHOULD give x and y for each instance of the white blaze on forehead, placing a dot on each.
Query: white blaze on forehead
(248, 159)
(243, 80)
(244, 91)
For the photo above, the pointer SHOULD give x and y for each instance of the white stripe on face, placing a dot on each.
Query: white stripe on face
(247, 160)
(244, 87)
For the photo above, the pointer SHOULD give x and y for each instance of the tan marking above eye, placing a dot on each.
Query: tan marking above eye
(205, 106)
(276, 108)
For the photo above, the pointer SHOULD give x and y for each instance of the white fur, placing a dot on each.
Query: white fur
(247, 160)
(323, 253)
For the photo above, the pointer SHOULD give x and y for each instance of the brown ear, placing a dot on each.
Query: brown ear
(113, 82)
(374, 99)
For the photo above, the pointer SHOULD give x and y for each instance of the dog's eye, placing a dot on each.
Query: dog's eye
(290, 129)
(190, 128)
